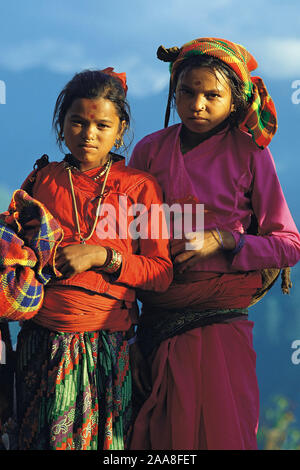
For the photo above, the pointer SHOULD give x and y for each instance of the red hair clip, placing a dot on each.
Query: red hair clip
(120, 76)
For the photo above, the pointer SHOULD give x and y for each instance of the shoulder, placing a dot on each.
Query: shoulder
(52, 166)
(246, 147)
(133, 181)
(39, 173)
(131, 176)
(158, 137)
(245, 140)
(50, 171)
(150, 147)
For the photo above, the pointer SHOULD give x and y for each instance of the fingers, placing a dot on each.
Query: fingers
(182, 257)
(194, 241)
(65, 269)
(187, 264)
(62, 264)
(189, 242)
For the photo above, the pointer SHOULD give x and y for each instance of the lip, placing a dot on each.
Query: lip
(198, 118)
(87, 146)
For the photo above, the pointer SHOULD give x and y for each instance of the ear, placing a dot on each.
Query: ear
(122, 129)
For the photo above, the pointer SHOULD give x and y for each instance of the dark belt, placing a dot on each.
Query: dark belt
(173, 323)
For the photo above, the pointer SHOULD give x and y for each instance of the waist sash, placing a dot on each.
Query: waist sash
(151, 334)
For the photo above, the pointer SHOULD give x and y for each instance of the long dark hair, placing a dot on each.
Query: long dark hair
(235, 83)
(90, 84)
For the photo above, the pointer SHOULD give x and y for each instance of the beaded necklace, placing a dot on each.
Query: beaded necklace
(106, 172)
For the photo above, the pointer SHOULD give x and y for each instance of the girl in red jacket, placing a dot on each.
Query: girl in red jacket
(73, 372)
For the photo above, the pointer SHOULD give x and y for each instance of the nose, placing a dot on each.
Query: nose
(89, 131)
(198, 104)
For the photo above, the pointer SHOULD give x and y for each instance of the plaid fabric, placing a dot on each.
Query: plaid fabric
(29, 236)
(261, 120)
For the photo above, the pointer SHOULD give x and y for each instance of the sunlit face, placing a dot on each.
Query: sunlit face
(203, 99)
(91, 128)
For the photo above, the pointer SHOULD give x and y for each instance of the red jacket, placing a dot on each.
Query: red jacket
(146, 263)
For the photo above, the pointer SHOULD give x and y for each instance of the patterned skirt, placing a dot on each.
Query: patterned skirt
(73, 390)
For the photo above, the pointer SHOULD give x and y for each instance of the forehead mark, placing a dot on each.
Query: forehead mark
(190, 75)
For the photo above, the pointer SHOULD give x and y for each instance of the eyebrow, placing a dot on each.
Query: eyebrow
(213, 90)
(79, 116)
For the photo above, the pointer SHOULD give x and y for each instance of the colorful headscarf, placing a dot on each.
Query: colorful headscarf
(261, 119)
(120, 76)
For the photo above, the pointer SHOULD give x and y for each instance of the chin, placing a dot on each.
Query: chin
(200, 129)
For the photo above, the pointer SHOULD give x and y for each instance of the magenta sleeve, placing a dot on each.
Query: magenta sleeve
(278, 243)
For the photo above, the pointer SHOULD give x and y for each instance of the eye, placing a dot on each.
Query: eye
(213, 95)
(185, 91)
(102, 125)
(76, 122)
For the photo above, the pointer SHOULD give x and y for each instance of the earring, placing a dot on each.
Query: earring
(119, 143)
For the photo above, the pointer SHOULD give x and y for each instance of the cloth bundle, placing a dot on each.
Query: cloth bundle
(29, 236)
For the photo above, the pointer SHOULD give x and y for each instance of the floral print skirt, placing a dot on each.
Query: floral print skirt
(73, 390)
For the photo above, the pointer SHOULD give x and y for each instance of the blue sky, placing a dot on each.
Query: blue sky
(64, 36)
(42, 44)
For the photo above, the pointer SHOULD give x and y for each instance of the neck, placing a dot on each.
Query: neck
(69, 158)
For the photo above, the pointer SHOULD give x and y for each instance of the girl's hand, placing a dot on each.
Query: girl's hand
(75, 259)
(184, 259)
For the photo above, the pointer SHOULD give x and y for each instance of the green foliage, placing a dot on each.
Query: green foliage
(278, 427)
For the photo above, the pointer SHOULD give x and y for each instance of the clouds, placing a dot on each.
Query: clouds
(281, 57)
(69, 36)
(68, 58)
(58, 56)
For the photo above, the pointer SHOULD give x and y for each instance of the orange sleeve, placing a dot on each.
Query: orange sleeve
(151, 267)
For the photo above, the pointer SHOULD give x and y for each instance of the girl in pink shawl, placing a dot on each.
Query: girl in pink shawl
(197, 335)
